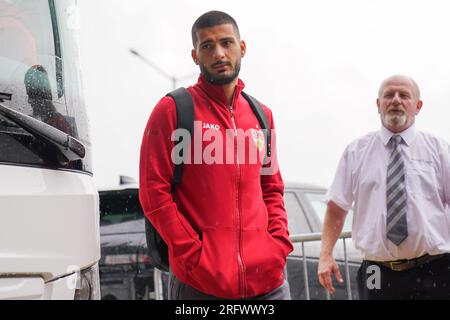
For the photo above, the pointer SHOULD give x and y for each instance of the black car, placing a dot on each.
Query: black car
(125, 267)
(305, 205)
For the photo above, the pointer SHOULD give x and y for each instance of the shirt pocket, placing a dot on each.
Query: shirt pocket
(421, 181)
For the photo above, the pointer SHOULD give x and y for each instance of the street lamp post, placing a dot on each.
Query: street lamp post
(168, 76)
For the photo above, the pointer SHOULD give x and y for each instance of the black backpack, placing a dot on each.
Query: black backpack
(156, 246)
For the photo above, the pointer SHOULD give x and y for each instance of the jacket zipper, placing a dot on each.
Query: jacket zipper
(238, 217)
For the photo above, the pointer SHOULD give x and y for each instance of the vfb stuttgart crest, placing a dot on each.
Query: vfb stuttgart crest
(258, 139)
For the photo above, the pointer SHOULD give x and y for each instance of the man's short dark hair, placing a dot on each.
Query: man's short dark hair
(211, 19)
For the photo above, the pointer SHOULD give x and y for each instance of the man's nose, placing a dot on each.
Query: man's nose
(396, 98)
(219, 53)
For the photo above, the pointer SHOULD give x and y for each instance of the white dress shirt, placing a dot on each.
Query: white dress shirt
(360, 182)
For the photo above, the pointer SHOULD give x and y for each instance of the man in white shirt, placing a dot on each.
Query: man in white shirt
(397, 180)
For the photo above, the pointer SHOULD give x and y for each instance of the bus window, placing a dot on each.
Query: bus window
(37, 81)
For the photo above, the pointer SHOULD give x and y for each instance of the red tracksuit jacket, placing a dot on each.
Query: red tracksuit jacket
(226, 225)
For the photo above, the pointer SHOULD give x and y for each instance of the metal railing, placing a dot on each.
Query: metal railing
(157, 278)
(296, 238)
(308, 237)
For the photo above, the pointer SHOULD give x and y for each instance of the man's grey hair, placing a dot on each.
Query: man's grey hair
(414, 83)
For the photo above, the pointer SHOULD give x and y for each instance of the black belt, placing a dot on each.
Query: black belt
(405, 264)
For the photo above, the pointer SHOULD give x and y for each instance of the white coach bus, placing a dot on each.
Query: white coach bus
(49, 220)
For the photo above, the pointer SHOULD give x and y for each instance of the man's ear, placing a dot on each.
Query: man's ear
(194, 56)
(419, 106)
(378, 105)
(243, 48)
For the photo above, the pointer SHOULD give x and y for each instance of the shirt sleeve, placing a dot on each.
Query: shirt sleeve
(341, 190)
(155, 182)
(445, 159)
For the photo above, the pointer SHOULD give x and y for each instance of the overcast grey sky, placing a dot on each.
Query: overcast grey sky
(316, 64)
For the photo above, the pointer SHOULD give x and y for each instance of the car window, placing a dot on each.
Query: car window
(119, 206)
(297, 220)
(317, 202)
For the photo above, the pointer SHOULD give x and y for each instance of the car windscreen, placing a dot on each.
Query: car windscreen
(297, 220)
(119, 206)
(317, 202)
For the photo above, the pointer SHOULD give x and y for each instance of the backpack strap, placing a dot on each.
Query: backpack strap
(262, 118)
(185, 120)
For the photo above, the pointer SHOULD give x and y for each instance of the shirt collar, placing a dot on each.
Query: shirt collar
(216, 92)
(407, 135)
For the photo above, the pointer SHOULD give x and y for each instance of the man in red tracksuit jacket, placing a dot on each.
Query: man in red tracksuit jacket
(225, 225)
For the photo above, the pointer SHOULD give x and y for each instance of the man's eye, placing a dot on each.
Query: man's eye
(206, 46)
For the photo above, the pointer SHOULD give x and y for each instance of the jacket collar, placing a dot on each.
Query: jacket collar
(217, 93)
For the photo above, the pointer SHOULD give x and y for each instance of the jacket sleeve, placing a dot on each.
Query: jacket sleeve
(273, 189)
(155, 180)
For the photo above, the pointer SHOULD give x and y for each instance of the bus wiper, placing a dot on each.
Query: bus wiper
(71, 149)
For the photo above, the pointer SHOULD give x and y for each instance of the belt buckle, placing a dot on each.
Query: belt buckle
(395, 265)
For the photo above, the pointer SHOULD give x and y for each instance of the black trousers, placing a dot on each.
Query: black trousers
(180, 291)
(428, 281)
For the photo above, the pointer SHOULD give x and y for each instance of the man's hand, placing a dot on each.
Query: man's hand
(328, 267)
(332, 228)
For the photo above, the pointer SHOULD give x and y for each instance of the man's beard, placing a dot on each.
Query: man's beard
(220, 80)
(395, 120)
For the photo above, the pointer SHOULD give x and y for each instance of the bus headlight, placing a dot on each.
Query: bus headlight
(88, 284)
